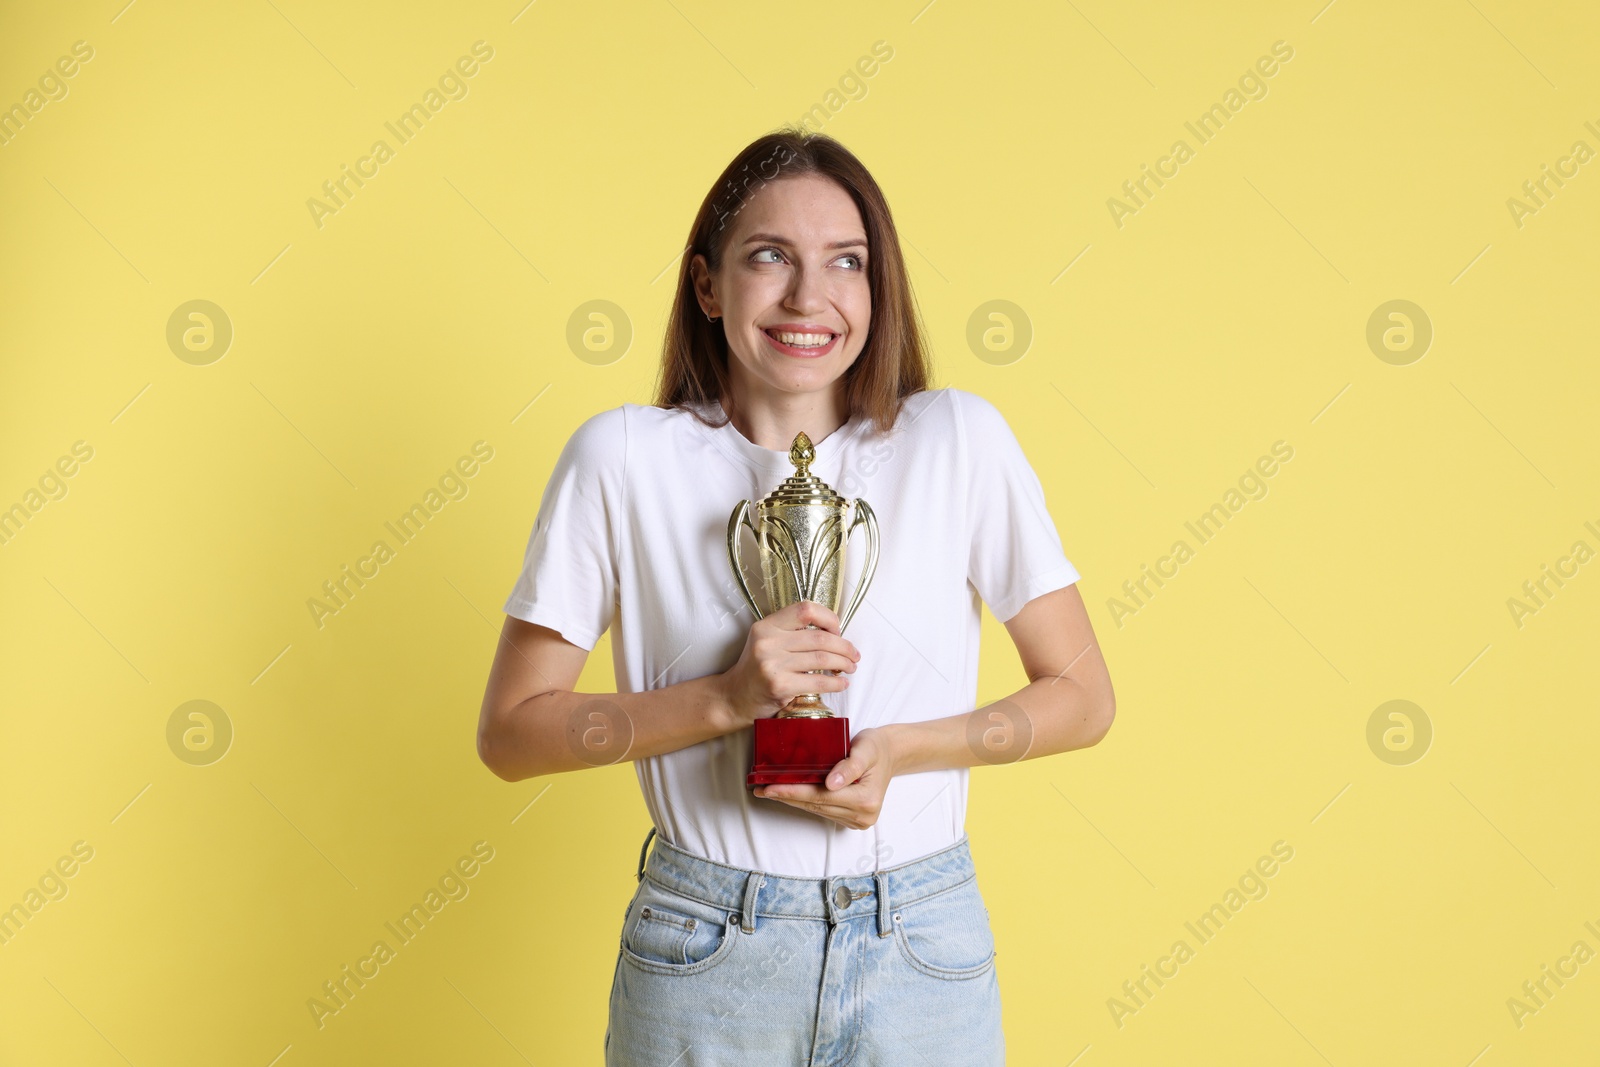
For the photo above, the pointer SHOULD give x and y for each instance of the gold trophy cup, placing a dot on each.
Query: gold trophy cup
(801, 540)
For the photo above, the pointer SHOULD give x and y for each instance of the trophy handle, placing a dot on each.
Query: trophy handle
(863, 514)
(741, 513)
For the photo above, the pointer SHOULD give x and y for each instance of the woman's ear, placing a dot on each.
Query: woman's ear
(700, 274)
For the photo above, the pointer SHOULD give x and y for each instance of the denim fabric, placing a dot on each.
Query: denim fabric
(721, 965)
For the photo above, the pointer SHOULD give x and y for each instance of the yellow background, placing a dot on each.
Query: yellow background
(370, 353)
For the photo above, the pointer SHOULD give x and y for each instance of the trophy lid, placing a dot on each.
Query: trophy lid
(803, 487)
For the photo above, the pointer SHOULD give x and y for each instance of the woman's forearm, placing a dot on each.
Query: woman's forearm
(566, 731)
(1046, 716)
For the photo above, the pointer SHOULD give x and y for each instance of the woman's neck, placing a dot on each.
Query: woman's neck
(774, 421)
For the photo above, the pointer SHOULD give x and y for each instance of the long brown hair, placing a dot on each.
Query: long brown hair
(893, 365)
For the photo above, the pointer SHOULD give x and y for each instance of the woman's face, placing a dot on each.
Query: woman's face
(792, 290)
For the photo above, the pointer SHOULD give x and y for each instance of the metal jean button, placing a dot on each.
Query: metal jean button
(842, 897)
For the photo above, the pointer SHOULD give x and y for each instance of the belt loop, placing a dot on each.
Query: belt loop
(752, 886)
(642, 850)
(885, 928)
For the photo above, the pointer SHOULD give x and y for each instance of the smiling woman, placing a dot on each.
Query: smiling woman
(793, 313)
(819, 225)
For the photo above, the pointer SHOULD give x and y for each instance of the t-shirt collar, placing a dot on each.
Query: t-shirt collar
(771, 461)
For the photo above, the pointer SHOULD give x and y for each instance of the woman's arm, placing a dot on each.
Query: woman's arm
(1068, 704)
(532, 723)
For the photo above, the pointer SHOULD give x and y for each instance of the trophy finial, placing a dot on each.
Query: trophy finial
(801, 453)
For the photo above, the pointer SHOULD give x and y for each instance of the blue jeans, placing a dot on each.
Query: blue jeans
(722, 965)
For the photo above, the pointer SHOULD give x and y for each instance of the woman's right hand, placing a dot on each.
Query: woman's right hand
(778, 651)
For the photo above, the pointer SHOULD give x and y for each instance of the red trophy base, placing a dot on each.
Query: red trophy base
(797, 749)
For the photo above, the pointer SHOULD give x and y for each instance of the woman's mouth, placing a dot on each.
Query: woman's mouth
(807, 345)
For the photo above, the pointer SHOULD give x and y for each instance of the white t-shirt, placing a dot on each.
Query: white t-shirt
(632, 534)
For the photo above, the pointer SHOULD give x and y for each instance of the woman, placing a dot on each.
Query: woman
(795, 924)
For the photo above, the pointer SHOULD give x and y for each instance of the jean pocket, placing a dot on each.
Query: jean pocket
(668, 933)
(947, 935)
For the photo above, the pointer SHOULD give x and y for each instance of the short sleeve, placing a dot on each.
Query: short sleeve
(1015, 553)
(569, 572)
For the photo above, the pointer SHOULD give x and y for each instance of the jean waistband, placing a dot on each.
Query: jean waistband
(749, 894)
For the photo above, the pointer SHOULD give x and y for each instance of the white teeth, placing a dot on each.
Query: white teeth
(803, 340)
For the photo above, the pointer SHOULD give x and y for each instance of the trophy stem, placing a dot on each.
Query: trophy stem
(806, 706)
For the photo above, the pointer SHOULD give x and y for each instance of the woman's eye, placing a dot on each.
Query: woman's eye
(852, 258)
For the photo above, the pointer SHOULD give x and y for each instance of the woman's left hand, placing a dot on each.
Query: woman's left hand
(853, 793)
